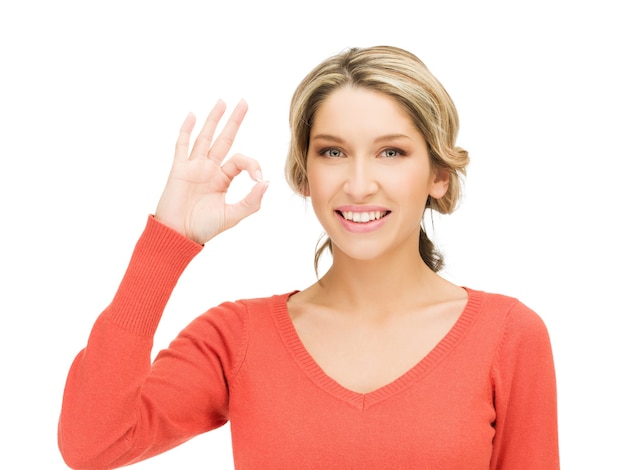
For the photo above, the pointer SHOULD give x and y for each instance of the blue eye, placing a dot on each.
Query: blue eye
(332, 152)
(392, 153)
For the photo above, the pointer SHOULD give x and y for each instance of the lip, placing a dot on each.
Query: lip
(352, 208)
(361, 227)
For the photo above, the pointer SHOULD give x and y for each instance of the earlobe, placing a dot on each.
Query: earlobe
(441, 182)
(304, 190)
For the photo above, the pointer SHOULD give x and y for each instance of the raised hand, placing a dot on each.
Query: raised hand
(194, 199)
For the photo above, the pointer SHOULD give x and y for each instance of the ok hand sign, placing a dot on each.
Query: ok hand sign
(194, 199)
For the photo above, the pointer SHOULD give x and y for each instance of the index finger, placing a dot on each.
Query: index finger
(225, 140)
(182, 143)
(204, 140)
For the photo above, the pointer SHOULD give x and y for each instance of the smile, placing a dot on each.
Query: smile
(362, 217)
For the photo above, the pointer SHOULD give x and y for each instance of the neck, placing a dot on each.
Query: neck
(380, 285)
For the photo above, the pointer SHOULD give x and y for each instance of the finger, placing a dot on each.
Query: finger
(248, 205)
(225, 140)
(238, 163)
(182, 143)
(204, 140)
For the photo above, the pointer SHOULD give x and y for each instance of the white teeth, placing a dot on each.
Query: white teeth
(362, 217)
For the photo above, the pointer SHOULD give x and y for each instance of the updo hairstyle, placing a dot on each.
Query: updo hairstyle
(402, 76)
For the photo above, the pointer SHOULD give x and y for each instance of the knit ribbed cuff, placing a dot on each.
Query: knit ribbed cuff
(160, 257)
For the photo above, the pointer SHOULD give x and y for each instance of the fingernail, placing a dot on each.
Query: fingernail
(258, 175)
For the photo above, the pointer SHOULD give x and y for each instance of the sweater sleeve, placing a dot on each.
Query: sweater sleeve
(525, 395)
(118, 408)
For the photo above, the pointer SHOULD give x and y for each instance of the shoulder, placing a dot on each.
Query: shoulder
(516, 327)
(506, 310)
(242, 309)
(254, 304)
(226, 328)
(521, 332)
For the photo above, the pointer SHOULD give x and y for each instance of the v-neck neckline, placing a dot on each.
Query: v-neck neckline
(360, 400)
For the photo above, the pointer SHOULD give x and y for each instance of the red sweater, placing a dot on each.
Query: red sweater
(483, 398)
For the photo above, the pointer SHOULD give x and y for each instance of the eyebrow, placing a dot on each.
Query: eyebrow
(378, 139)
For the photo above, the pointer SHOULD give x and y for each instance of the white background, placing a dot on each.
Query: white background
(92, 95)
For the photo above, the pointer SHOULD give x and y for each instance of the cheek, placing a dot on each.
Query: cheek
(322, 191)
(412, 195)
(319, 182)
(408, 183)
(318, 192)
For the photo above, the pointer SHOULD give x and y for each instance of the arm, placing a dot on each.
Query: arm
(117, 407)
(525, 395)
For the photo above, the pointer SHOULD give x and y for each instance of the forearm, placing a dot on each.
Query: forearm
(102, 399)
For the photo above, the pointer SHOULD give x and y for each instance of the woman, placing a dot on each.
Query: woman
(382, 363)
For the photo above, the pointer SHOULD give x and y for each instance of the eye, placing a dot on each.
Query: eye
(392, 153)
(331, 152)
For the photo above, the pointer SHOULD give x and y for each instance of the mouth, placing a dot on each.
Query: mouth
(362, 217)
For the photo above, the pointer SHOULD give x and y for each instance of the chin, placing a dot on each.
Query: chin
(362, 252)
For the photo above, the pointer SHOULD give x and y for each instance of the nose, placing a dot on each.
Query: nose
(360, 182)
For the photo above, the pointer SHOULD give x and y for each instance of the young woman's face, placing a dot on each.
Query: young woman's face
(369, 174)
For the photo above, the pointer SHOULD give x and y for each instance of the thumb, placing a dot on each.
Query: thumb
(248, 205)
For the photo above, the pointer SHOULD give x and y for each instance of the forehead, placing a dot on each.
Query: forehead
(350, 107)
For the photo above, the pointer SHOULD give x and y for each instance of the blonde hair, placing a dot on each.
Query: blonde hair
(402, 76)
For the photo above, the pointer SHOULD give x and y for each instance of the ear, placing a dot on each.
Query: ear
(304, 189)
(440, 183)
